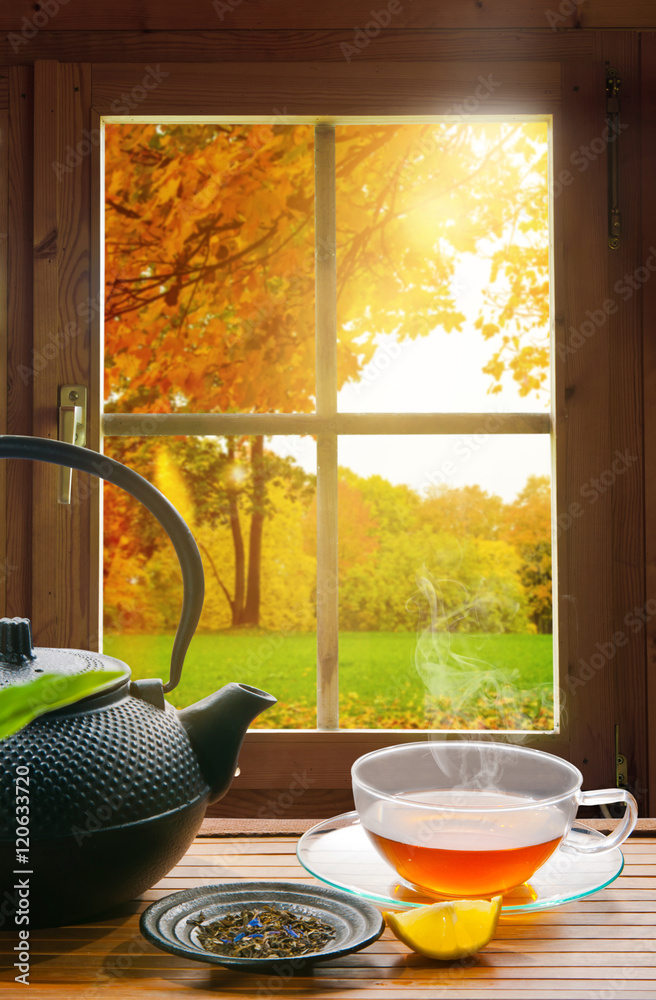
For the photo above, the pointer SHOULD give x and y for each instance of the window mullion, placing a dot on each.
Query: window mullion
(326, 383)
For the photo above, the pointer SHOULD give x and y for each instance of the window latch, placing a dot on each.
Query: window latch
(72, 412)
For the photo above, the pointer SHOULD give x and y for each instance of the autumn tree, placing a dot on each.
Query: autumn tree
(468, 511)
(387, 534)
(209, 483)
(528, 528)
(210, 274)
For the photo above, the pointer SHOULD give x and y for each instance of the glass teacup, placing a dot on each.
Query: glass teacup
(473, 818)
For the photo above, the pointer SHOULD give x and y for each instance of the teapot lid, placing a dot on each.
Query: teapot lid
(21, 662)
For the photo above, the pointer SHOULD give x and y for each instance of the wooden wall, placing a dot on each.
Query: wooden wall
(307, 15)
(284, 30)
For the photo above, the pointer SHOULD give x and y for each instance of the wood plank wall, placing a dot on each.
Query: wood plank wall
(626, 416)
(166, 15)
(62, 348)
(648, 239)
(293, 46)
(19, 343)
(316, 88)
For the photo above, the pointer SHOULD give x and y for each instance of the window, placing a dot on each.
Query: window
(422, 244)
(597, 403)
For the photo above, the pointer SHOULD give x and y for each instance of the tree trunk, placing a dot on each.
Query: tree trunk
(238, 543)
(252, 607)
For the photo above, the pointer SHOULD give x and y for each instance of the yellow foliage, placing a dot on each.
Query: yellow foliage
(170, 482)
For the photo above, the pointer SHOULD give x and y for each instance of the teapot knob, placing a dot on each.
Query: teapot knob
(15, 640)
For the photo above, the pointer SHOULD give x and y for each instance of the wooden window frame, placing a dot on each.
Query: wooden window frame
(599, 556)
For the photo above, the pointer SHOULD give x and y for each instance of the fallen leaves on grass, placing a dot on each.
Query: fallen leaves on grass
(523, 712)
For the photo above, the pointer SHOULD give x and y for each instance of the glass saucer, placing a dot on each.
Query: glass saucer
(339, 852)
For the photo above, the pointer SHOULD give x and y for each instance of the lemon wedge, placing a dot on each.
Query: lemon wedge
(447, 930)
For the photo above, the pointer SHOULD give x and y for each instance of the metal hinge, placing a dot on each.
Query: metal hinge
(621, 772)
(615, 810)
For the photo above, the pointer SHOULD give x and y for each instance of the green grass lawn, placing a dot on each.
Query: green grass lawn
(379, 684)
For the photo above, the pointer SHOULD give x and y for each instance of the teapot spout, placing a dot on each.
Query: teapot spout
(216, 727)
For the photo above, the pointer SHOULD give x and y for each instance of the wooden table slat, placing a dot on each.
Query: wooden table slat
(603, 946)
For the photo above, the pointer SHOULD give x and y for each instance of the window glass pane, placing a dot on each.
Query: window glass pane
(443, 266)
(445, 589)
(443, 305)
(252, 512)
(209, 268)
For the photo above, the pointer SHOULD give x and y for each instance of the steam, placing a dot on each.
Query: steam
(465, 692)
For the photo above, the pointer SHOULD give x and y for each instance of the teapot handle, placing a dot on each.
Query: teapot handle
(193, 579)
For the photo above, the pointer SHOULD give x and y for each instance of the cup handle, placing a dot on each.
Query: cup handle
(604, 796)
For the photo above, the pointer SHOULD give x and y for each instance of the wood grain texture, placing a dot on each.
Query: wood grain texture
(627, 661)
(61, 533)
(77, 306)
(273, 760)
(294, 46)
(153, 15)
(44, 370)
(96, 371)
(583, 439)
(601, 946)
(258, 827)
(648, 159)
(282, 803)
(4, 87)
(211, 827)
(321, 89)
(20, 379)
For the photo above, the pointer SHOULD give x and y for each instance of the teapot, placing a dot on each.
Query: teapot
(116, 785)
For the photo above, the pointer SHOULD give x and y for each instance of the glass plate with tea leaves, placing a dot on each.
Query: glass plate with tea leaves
(277, 927)
(339, 852)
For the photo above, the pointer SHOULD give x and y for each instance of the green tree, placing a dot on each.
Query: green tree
(528, 529)
(467, 511)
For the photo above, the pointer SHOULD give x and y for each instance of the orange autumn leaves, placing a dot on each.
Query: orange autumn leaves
(209, 270)
(210, 254)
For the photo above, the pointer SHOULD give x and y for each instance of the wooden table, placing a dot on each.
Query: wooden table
(603, 947)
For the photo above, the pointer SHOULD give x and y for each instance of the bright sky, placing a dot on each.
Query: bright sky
(441, 372)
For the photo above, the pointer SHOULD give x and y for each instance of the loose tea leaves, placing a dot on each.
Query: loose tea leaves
(266, 932)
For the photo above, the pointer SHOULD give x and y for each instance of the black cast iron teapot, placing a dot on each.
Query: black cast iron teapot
(116, 784)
